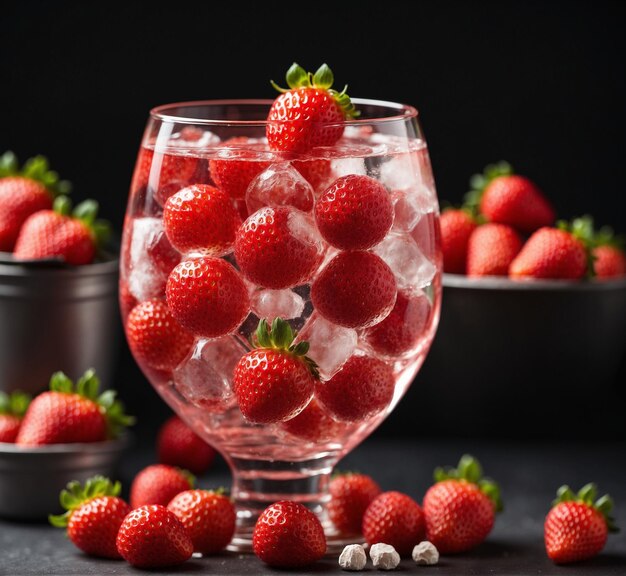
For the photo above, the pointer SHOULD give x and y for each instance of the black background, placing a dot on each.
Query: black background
(540, 84)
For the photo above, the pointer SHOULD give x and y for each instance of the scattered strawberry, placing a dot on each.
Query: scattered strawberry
(576, 528)
(354, 213)
(153, 537)
(55, 233)
(178, 445)
(554, 253)
(395, 519)
(277, 248)
(402, 329)
(363, 387)
(94, 516)
(155, 338)
(350, 495)
(609, 261)
(309, 113)
(456, 229)
(505, 198)
(208, 516)
(460, 508)
(491, 249)
(355, 289)
(288, 535)
(12, 410)
(275, 381)
(201, 218)
(239, 166)
(69, 413)
(24, 192)
(207, 296)
(158, 484)
(313, 424)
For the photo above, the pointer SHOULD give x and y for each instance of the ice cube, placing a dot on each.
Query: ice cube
(270, 304)
(204, 378)
(329, 345)
(410, 205)
(425, 235)
(401, 172)
(344, 166)
(279, 185)
(411, 268)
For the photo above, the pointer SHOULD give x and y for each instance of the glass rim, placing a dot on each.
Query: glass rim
(403, 112)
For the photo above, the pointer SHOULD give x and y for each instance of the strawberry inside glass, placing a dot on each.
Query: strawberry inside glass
(280, 281)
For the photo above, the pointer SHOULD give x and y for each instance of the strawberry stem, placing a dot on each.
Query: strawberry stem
(36, 168)
(587, 495)
(14, 404)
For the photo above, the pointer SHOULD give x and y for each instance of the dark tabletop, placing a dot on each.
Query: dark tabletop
(529, 475)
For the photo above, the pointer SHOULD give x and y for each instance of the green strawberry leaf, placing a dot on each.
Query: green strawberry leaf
(15, 403)
(35, 168)
(478, 183)
(587, 495)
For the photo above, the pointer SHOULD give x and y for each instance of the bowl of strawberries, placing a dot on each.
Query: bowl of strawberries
(534, 309)
(58, 287)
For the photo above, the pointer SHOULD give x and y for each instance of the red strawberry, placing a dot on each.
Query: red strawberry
(505, 198)
(313, 424)
(127, 300)
(309, 114)
(240, 164)
(158, 484)
(354, 213)
(316, 172)
(178, 445)
(201, 218)
(72, 414)
(460, 508)
(355, 289)
(491, 249)
(207, 296)
(456, 229)
(209, 518)
(288, 535)
(362, 388)
(402, 329)
(275, 381)
(395, 519)
(155, 338)
(24, 192)
(609, 261)
(278, 248)
(55, 234)
(350, 495)
(94, 516)
(576, 528)
(153, 537)
(12, 410)
(551, 253)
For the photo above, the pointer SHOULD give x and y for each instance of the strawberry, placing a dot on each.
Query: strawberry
(309, 113)
(12, 410)
(153, 537)
(350, 495)
(208, 516)
(576, 528)
(313, 424)
(275, 381)
(178, 445)
(155, 338)
(237, 164)
(362, 388)
(278, 248)
(506, 198)
(555, 253)
(288, 535)
(207, 297)
(55, 233)
(402, 329)
(316, 172)
(491, 249)
(201, 218)
(69, 413)
(158, 484)
(609, 261)
(94, 516)
(460, 508)
(354, 213)
(395, 519)
(456, 229)
(24, 192)
(355, 289)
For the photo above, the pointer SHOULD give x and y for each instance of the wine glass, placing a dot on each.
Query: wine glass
(221, 144)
